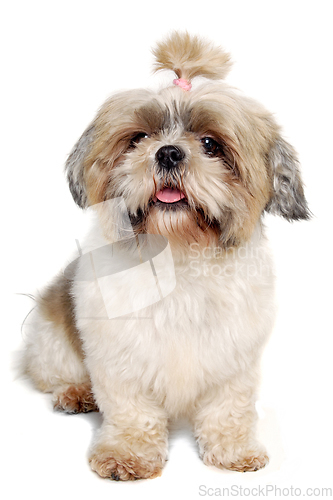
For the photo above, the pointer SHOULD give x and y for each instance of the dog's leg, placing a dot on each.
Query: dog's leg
(225, 426)
(132, 442)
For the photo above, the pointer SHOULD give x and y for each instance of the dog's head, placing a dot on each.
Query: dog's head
(193, 165)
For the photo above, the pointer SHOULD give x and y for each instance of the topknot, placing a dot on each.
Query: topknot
(189, 56)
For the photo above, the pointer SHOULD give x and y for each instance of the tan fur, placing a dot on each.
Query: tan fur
(54, 356)
(248, 464)
(56, 305)
(124, 468)
(189, 56)
(75, 399)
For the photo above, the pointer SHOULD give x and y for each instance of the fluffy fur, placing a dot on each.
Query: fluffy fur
(197, 351)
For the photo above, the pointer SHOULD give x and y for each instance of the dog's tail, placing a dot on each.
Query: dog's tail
(189, 56)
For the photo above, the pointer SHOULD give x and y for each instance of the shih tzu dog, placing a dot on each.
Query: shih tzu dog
(197, 167)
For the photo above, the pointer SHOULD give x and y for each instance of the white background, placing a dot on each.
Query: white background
(60, 60)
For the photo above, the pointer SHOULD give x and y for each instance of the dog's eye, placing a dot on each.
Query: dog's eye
(138, 138)
(211, 147)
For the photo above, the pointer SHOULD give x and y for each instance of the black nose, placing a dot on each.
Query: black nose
(169, 156)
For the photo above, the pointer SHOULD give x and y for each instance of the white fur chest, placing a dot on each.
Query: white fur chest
(204, 331)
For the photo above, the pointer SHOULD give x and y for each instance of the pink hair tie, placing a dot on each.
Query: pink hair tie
(184, 84)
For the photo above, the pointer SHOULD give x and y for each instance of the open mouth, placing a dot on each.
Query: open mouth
(170, 197)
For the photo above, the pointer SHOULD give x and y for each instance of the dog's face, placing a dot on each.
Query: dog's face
(197, 166)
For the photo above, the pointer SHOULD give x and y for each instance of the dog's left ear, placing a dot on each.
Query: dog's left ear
(75, 167)
(287, 198)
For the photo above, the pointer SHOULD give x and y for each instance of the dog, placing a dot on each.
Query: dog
(197, 167)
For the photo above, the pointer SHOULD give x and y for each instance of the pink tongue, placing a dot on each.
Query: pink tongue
(168, 195)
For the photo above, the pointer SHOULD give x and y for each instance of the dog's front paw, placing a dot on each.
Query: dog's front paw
(109, 464)
(244, 461)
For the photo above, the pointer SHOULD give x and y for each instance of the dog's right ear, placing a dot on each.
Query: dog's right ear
(288, 198)
(75, 167)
